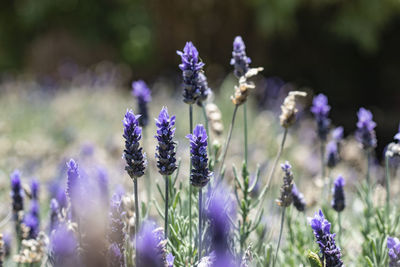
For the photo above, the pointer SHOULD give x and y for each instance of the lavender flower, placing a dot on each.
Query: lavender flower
(298, 199)
(365, 133)
(72, 190)
(143, 94)
(393, 245)
(200, 174)
(35, 189)
(117, 225)
(286, 197)
(205, 91)
(17, 193)
(338, 201)
(191, 67)
(332, 154)
(7, 244)
(54, 214)
(151, 246)
(134, 157)
(239, 59)
(321, 109)
(166, 159)
(63, 247)
(115, 256)
(170, 260)
(330, 252)
(337, 134)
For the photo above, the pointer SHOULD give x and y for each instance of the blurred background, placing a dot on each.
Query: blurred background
(347, 50)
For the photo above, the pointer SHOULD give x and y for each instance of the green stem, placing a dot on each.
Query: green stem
(340, 228)
(369, 205)
(228, 139)
(322, 150)
(245, 133)
(190, 185)
(280, 236)
(135, 188)
(166, 207)
(387, 171)
(148, 179)
(200, 220)
(271, 174)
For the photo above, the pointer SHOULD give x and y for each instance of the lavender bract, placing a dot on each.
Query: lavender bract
(134, 157)
(239, 59)
(191, 67)
(166, 159)
(143, 94)
(200, 174)
(365, 133)
(321, 109)
(298, 199)
(331, 254)
(393, 245)
(338, 200)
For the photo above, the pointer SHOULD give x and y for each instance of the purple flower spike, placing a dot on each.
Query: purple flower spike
(31, 220)
(63, 247)
(194, 86)
(166, 158)
(72, 179)
(393, 245)
(35, 189)
(239, 59)
(298, 199)
(143, 94)
(321, 109)
(54, 214)
(17, 193)
(330, 252)
(365, 133)
(338, 201)
(151, 246)
(337, 134)
(133, 154)
(332, 154)
(200, 174)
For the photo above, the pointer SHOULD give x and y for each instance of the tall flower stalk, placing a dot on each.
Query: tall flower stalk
(284, 201)
(193, 84)
(166, 158)
(199, 174)
(320, 109)
(141, 91)
(134, 157)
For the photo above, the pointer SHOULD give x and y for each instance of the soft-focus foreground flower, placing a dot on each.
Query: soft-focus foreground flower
(393, 245)
(143, 94)
(320, 109)
(338, 200)
(200, 174)
(331, 254)
(298, 199)
(239, 59)
(151, 246)
(191, 67)
(365, 133)
(63, 247)
(166, 158)
(134, 157)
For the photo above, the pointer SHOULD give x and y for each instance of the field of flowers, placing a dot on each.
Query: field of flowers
(93, 175)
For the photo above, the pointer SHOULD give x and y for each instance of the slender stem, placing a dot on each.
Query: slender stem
(245, 133)
(228, 139)
(322, 149)
(190, 185)
(207, 129)
(387, 171)
(200, 220)
(147, 172)
(368, 190)
(135, 188)
(280, 235)
(166, 207)
(271, 174)
(340, 228)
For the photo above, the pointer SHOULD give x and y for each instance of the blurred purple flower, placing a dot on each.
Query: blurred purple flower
(200, 174)
(133, 154)
(170, 260)
(338, 200)
(115, 256)
(365, 133)
(31, 220)
(143, 94)
(54, 214)
(239, 59)
(151, 246)
(337, 134)
(103, 183)
(166, 159)
(7, 238)
(320, 109)
(35, 189)
(330, 252)
(17, 193)
(63, 247)
(298, 199)
(393, 245)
